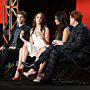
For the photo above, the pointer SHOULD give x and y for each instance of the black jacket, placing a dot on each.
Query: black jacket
(1, 40)
(26, 30)
(78, 42)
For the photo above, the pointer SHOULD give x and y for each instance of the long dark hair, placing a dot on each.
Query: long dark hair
(63, 19)
(43, 23)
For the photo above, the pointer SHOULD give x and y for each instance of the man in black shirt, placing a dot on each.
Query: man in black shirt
(11, 50)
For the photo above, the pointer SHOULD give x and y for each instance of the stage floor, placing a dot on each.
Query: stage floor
(26, 84)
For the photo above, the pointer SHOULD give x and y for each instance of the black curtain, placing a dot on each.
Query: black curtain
(48, 7)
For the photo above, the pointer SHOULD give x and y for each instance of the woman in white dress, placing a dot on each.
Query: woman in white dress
(61, 37)
(39, 40)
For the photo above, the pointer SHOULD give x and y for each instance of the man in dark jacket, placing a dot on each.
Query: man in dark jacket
(78, 40)
(11, 49)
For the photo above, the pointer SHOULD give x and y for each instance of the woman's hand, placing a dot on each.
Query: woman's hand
(40, 34)
(21, 34)
(12, 47)
(57, 42)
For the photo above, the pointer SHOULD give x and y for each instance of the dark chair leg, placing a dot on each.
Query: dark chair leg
(58, 78)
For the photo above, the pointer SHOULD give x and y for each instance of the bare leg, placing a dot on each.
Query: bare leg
(41, 67)
(19, 63)
(32, 71)
(22, 57)
(37, 79)
(42, 64)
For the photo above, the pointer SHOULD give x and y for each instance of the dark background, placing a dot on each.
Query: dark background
(48, 7)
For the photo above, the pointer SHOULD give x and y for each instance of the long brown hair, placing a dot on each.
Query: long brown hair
(43, 23)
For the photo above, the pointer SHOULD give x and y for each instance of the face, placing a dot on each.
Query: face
(38, 18)
(56, 21)
(72, 21)
(20, 19)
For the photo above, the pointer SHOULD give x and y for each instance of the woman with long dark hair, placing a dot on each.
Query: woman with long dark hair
(39, 40)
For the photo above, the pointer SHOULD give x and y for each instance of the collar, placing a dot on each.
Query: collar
(78, 25)
(21, 26)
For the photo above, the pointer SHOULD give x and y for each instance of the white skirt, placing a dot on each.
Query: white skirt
(33, 50)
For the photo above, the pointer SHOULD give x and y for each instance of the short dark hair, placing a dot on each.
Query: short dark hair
(22, 13)
(77, 15)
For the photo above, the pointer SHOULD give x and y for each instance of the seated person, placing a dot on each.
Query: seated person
(62, 34)
(11, 49)
(39, 40)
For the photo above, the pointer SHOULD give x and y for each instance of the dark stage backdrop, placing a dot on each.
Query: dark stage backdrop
(48, 7)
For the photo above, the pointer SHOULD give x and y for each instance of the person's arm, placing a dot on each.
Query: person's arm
(80, 39)
(30, 38)
(21, 36)
(65, 36)
(46, 37)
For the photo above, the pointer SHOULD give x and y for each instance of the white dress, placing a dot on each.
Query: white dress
(38, 43)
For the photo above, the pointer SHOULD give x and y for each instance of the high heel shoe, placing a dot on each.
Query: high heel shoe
(26, 74)
(29, 76)
(38, 78)
(16, 78)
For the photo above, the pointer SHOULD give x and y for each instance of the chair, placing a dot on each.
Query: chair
(72, 67)
(11, 66)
